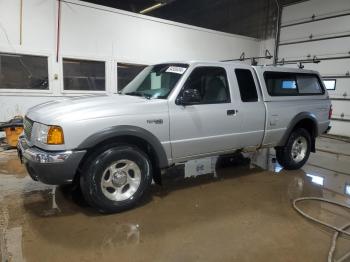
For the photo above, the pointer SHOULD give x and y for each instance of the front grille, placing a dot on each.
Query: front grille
(28, 126)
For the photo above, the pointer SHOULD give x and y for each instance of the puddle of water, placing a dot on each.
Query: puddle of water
(9, 164)
(178, 221)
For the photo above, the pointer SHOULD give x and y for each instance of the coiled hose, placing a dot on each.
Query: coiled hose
(338, 230)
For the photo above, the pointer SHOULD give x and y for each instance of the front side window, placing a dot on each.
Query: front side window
(292, 84)
(246, 85)
(84, 75)
(155, 81)
(23, 72)
(211, 83)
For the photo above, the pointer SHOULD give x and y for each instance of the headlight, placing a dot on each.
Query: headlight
(41, 133)
(51, 135)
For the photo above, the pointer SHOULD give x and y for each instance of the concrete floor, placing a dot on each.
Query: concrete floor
(243, 215)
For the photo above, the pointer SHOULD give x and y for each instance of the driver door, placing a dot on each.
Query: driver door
(209, 127)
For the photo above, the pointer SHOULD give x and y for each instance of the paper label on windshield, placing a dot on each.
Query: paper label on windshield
(176, 70)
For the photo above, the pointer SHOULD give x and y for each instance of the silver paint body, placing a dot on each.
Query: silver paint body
(187, 132)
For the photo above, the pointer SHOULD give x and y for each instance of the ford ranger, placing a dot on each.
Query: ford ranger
(114, 146)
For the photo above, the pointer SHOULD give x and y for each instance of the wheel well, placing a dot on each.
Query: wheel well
(125, 139)
(309, 126)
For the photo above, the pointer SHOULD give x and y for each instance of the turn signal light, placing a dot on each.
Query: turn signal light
(55, 136)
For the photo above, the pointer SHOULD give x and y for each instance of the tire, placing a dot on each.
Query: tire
(297, 150)
(116, 179)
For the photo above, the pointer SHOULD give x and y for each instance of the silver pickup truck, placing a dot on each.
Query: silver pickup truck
(113, 146)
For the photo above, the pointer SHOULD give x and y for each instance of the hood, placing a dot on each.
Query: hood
(88, 107)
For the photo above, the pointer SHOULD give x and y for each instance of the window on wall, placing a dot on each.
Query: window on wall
(84, 75)
(330, 84)
(27, 72)
(127, 72)
(246, 85)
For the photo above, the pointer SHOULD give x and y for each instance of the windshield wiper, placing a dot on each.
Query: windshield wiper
(136, 93)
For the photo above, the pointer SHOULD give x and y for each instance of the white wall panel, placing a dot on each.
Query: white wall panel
(135, 38)
(38, 25)
(341, 107)
(100, 33)
(322, 28)
(340, 128)
(318, 48)
(331, 67)
(38, 34)
(306, 9)
(9, 22)
(323, 48)
(342, 89)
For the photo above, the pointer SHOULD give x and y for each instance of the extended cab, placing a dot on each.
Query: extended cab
(113, 146)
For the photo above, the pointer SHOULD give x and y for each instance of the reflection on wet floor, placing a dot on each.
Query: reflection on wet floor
(244, 214)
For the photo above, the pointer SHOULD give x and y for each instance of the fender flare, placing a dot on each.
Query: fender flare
(299, 117)
(126, 130)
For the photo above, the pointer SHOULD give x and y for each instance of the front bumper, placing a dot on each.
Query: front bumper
(49, 167)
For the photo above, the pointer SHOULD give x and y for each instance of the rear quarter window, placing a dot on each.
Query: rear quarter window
(246, 85)
(309, 84)
(292, 84)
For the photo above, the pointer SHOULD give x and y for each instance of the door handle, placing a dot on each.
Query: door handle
(232, 112)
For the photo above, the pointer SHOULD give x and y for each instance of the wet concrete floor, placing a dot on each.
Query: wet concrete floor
(243, 215)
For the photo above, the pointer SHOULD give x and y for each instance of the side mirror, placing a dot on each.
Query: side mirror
(189, 97)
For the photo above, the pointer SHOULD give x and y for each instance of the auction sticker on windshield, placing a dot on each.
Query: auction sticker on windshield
(176, 69)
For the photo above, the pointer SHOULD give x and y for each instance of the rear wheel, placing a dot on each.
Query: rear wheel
(297, 150)
(116, 179)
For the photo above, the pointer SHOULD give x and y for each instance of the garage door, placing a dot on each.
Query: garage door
(320, 30)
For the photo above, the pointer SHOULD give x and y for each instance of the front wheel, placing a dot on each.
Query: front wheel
(297, 150)
(116, 179)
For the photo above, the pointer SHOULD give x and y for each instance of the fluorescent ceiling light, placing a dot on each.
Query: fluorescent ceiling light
(151, 8)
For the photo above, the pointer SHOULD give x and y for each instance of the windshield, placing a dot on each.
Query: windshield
(155, 81)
